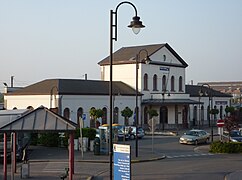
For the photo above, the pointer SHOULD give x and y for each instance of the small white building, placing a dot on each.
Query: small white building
(161, 86)
(73, 98)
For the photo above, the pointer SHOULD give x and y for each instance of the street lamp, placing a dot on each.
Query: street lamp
(199, 100)
(136, 24)
(210, 99)
(147, 61)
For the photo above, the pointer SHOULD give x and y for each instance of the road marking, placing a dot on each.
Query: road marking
(189, 155)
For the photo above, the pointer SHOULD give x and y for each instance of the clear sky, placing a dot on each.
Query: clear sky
(43, 39)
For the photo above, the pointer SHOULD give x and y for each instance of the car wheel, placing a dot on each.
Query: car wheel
(132, 136)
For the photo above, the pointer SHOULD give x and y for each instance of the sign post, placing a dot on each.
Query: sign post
(121, 161)
(220, 125)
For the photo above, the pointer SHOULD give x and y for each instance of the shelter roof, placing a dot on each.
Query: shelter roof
(7, 116)
(40, 119)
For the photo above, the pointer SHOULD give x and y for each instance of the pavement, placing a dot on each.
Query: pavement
(40, 154)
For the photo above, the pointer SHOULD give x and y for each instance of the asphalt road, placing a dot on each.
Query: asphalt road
(182, 162)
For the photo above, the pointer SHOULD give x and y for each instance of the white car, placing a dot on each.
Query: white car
(195, 136)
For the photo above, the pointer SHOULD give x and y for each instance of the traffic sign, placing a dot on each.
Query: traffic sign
(84, 117)
(220, 123)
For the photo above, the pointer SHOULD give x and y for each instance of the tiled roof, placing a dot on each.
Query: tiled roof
(75, 87)
(194, 91)
(125, 55)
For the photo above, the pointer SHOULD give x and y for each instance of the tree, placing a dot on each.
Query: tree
(126, 113)
(96, 113)
(230, 122)
(229, 110)
(152, 113)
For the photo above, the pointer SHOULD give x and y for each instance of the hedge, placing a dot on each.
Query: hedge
(53, 139)
(226, 147)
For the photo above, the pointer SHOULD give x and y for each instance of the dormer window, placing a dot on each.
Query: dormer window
(164, 57)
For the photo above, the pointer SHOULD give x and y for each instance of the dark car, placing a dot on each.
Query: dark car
(132, 131)
(236, 136)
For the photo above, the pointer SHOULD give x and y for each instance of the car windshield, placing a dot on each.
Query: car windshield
(235, 134)
(192, 133)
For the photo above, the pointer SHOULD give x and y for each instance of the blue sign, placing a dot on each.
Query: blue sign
(121, 161)
(164, 69)
(84, 117)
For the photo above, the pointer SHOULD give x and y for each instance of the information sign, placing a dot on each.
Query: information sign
(121, 161)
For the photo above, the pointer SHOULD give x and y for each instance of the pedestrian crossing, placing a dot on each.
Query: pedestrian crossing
(189, 155)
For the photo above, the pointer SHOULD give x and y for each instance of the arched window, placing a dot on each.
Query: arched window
(104, 118)
(145, 81)
(172, 83)
(180, 84)
(66, 113)
(155, 82)
(79, 115)
(164, 83)
(145, 115)
(115, 115)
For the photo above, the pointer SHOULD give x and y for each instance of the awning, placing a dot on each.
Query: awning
(169, 101)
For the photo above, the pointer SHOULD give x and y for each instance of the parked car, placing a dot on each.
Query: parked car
(236, 136)
(132, 131)
(195, 136)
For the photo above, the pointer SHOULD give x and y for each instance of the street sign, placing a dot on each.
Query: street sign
(121, 161)
(84, 117)
(220, 123)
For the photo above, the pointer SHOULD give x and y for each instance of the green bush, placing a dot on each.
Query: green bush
(34, 139)
(53, 139)
(226, 147)
(49, 139)
(86, 132)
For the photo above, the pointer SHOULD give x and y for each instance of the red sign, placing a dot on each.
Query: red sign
(220, 123)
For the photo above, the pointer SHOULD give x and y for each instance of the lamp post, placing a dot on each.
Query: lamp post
(136, 24)
(210, 99)
(199, 99)
(147, 61)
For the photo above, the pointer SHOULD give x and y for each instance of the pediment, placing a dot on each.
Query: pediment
(165, 56)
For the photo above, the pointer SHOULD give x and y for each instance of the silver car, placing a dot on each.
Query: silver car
(195, 136)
